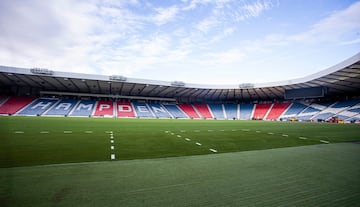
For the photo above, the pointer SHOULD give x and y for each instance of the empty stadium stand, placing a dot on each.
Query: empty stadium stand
(104, 108)
(13, 104)
(159, 110)
(175, 111)
(83, 108)
(143, 110)
(189, 110)
(38, 107)
(203, 109)
(62, 108)
(261, 111)
(341, 110)
(217, 111)
(231, 111)
(246, 111)
(293, 110)
(276, 110)
(125, 109)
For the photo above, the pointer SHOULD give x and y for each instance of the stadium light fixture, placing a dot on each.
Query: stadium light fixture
(246, 85)
(178, 83)
(117, 78)
(41, 71)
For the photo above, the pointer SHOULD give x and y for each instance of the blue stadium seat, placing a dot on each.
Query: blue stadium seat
(246, 111)
(38, 107)
(231, 111)
(142, 110)
(83, 108)
(217, 111)
(62, 108)
(175, 111)
(159, 110)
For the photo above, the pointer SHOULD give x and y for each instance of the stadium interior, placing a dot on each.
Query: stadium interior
(331, 95)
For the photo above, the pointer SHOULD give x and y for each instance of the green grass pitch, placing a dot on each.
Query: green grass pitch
(47, 161)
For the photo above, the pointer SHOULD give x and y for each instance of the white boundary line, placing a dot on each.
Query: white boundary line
(213, 150)
(323, 141)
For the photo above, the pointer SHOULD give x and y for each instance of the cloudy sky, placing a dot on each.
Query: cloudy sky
(195, 41)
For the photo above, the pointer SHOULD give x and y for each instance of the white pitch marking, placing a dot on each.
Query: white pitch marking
(270, 133)
(258, 131)
(44, 132)
(166, 132)
(222, 130)
(178, 135)
(212, 150)
(67, 132)
(112, 156)
(197, 143)
(19, 132)
(88, 132)
(172, 133)
(112, 147)
(187, 139)
(285, 135)
(112, 141)
(108, 132)
(323, 141)
(302, 138)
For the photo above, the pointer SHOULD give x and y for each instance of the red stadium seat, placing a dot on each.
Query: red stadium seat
(261, 110)
(125, 109)
(189, 110)
(277, 110)
(14, 104)
(204, 110)
(104, 108)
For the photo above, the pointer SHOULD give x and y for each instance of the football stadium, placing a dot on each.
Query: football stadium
(178, 103)
(70, 139)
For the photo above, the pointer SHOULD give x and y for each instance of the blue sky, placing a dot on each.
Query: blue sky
(195, 41)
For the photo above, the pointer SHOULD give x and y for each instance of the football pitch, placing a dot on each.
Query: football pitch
(47, 161)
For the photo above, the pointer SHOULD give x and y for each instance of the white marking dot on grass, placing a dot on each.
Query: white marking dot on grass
(112, 156)
(112, 141)
(197, 143)
(323, 141)
(178, 135)
(302, 138)
(285, 135)
(19, 132)
(67, 132)
(88, 132)
(258, 131)
(187, 139)
(44, 132)
(112, 147)
(270, 133)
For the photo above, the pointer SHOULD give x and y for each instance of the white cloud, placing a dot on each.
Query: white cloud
(333, 27)
(207, 24)
(350, 42)
(165, 15)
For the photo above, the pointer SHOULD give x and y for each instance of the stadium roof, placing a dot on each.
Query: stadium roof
(340, 79)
